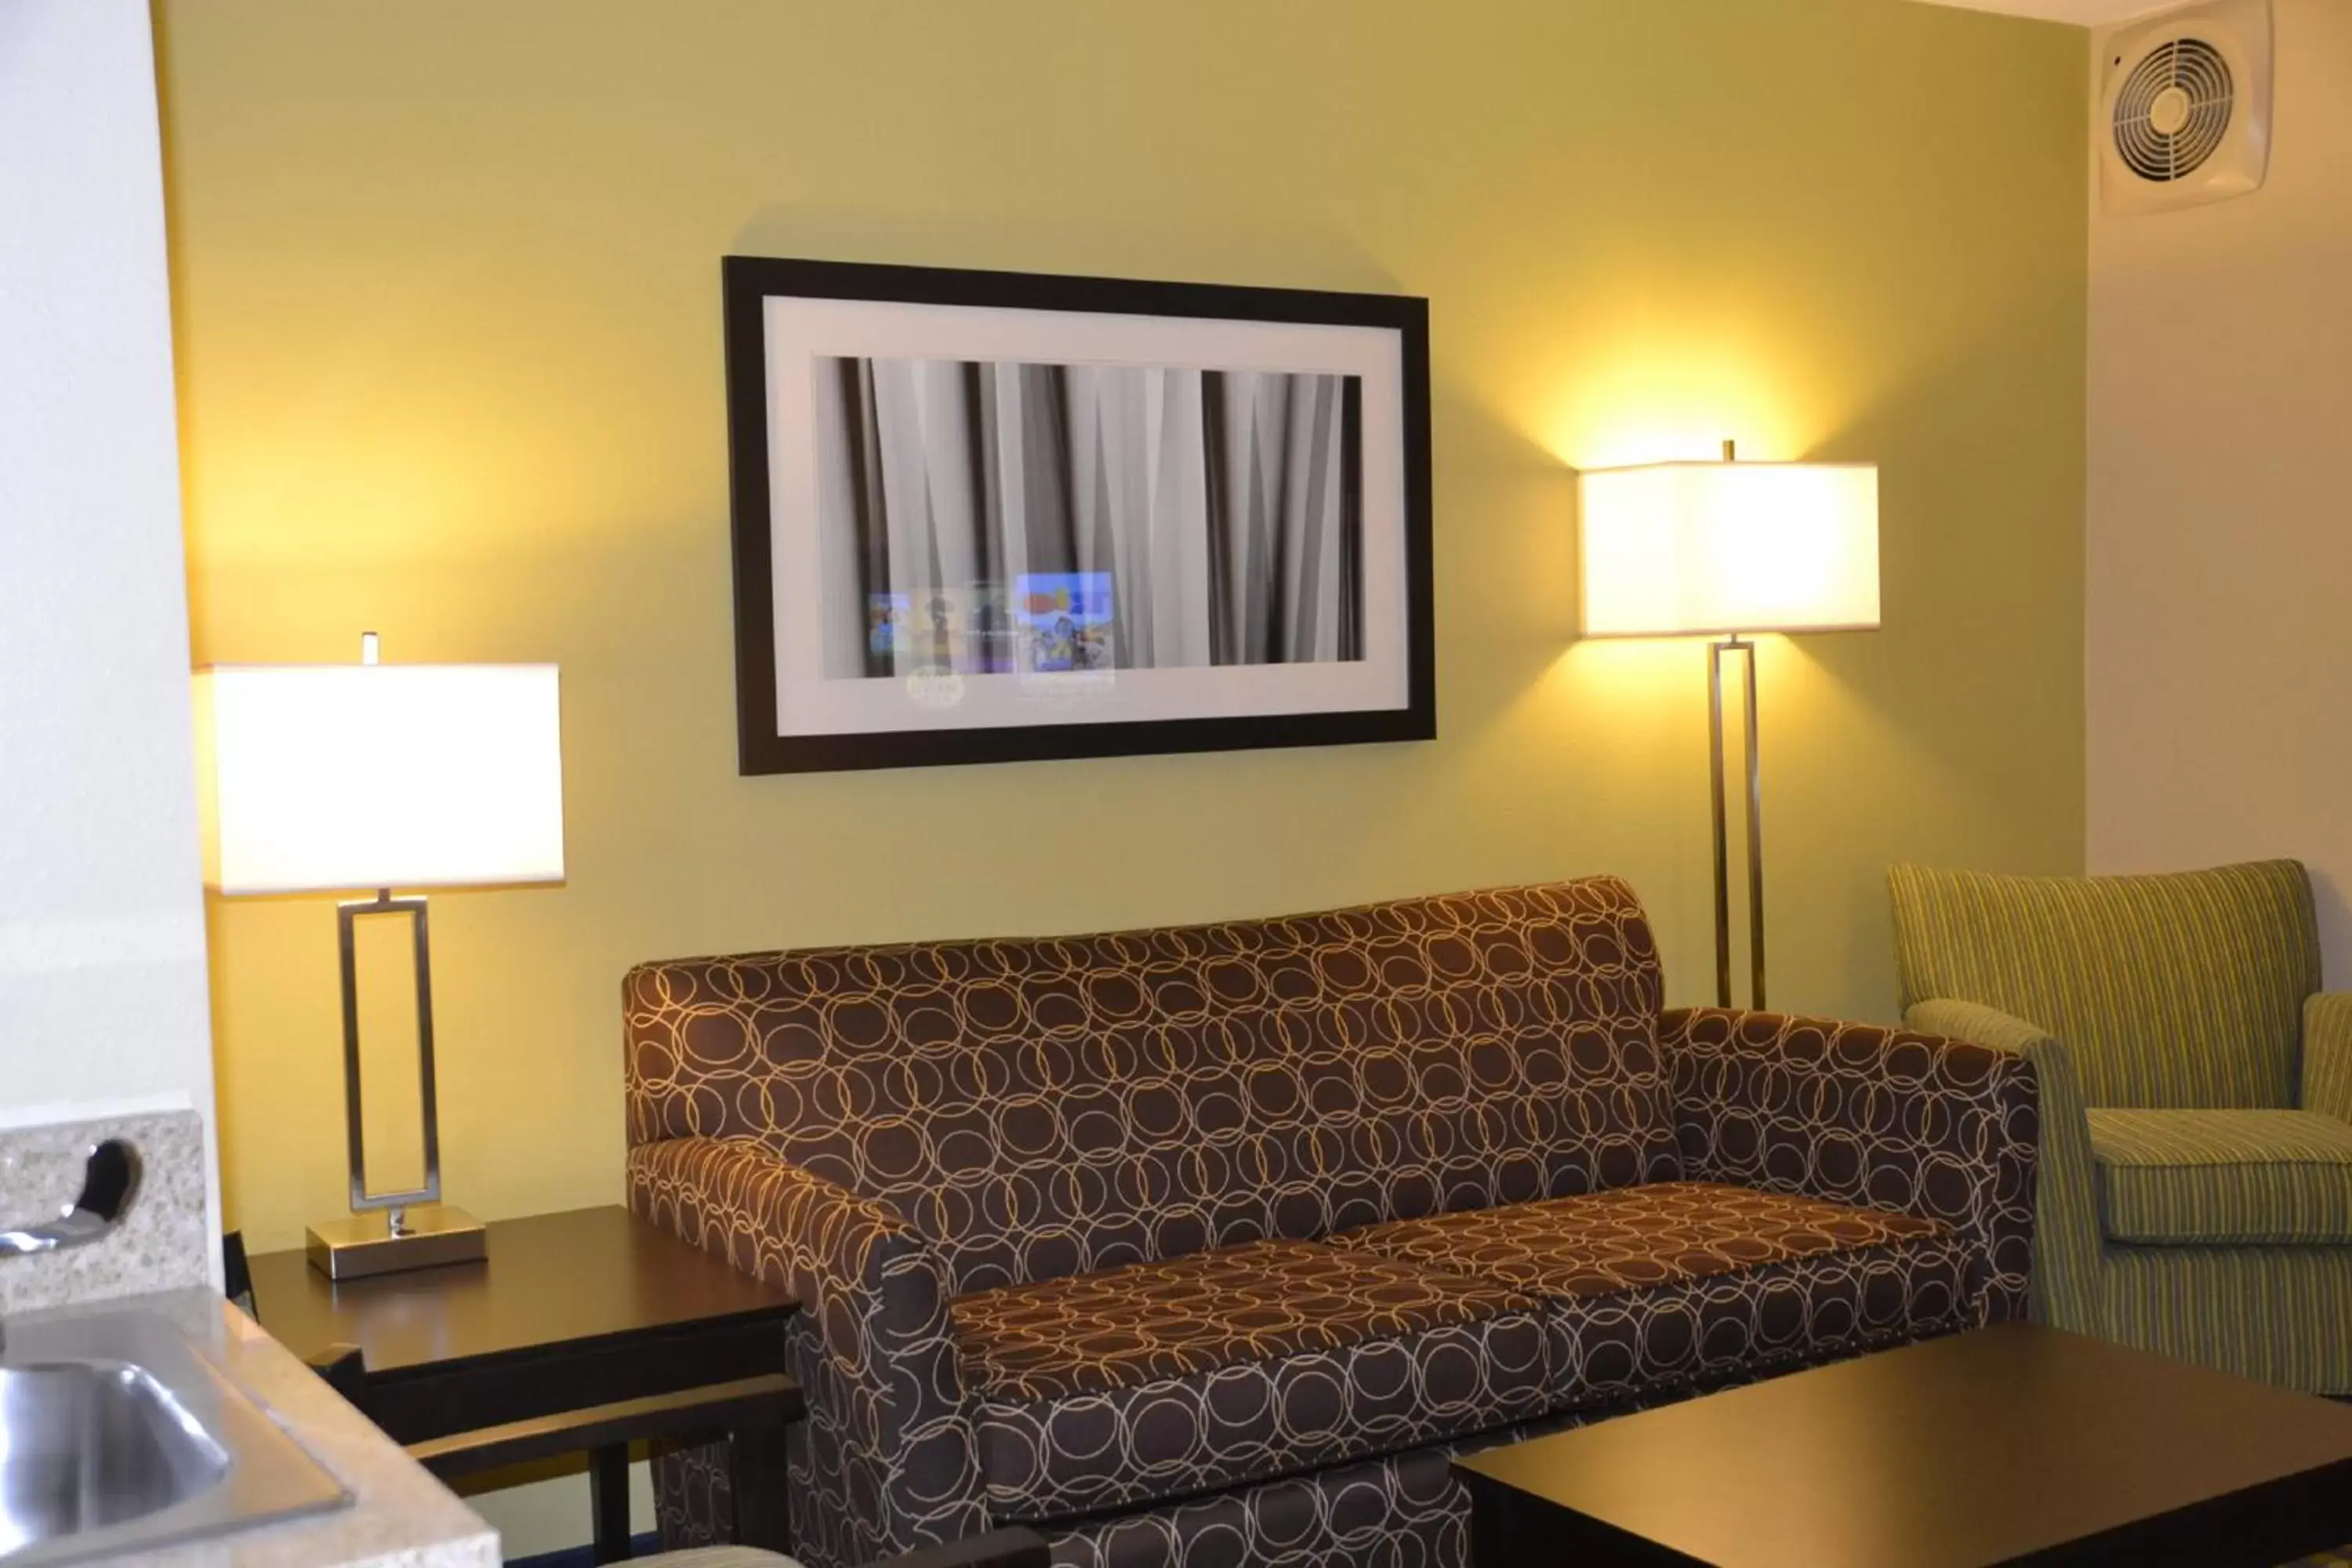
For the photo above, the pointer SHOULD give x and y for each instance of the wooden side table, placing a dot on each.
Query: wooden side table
(586, 1330)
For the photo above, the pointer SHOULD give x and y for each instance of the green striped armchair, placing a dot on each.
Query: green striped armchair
(2196, 1176)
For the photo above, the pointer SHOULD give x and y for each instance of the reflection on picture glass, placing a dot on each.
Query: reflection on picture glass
(1006, 518)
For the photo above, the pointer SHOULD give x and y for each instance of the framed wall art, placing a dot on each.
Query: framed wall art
(993, 516)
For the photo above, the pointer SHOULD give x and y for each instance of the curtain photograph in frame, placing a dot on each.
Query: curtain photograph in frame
(994, 516)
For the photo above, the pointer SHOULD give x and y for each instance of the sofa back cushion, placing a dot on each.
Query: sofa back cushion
(2182, 991)
(1047, 1106)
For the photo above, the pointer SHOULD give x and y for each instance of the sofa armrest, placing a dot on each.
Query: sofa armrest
(2327, 1054)
(1861, 1114)
(874, 1347)
(2066, 1203)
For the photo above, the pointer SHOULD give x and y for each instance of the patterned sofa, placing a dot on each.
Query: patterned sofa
(1212, 1244)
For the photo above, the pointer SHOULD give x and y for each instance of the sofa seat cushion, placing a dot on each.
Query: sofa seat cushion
(1681, 1284)
(2200, 1177)
(1160, 1380)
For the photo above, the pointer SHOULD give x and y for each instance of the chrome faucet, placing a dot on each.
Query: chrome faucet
(110, 1181)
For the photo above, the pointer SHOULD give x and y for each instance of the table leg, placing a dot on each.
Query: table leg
(608, 1501)
(755, 1474)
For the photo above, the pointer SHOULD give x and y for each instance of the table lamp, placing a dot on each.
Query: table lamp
(347, 777)
(1726, 550)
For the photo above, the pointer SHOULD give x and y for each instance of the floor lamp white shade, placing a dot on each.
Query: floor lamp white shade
(1691, 549)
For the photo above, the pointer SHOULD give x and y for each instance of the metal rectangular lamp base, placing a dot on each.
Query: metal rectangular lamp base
(388, 1233)
(430, 1235)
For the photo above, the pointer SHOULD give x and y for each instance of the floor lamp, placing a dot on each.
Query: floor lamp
(1726, 550)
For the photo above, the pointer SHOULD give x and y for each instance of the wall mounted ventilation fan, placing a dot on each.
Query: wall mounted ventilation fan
(2187, 107)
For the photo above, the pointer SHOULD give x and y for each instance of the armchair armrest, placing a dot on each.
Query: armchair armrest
(1860, 1114)
(889, 1449)
(2327, 1054)
(2066, 1204)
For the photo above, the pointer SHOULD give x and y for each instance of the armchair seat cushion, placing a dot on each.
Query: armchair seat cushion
(2204, 1177)
(1679, 1284)
(1163, 1380)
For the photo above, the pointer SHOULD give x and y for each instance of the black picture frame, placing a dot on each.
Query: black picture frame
(748, 282)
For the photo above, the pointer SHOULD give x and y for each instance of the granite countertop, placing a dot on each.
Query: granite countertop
(400, 1515)
(160, 1259)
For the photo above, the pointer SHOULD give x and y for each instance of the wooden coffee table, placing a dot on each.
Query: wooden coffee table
(2015, 1444)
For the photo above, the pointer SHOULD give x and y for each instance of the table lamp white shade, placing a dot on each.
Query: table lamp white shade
(331, 777)
(1684, 549)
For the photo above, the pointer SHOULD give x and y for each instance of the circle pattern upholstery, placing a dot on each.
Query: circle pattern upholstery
(1173, 1378)
(883, 1130)
(1874, 1117)
(1056, 1106)
(1678, 1284)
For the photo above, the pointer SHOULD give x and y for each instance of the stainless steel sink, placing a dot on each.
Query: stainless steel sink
(117, 1438)
(92, 1445)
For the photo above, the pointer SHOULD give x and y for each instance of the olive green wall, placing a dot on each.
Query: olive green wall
(446, 292)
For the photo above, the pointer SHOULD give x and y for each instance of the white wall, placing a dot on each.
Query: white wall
(2220, 536)
(102, 982)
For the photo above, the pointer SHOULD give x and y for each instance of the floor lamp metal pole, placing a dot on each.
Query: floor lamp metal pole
(1754, 834)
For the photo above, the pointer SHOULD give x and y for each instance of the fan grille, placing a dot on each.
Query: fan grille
(2174, 109)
